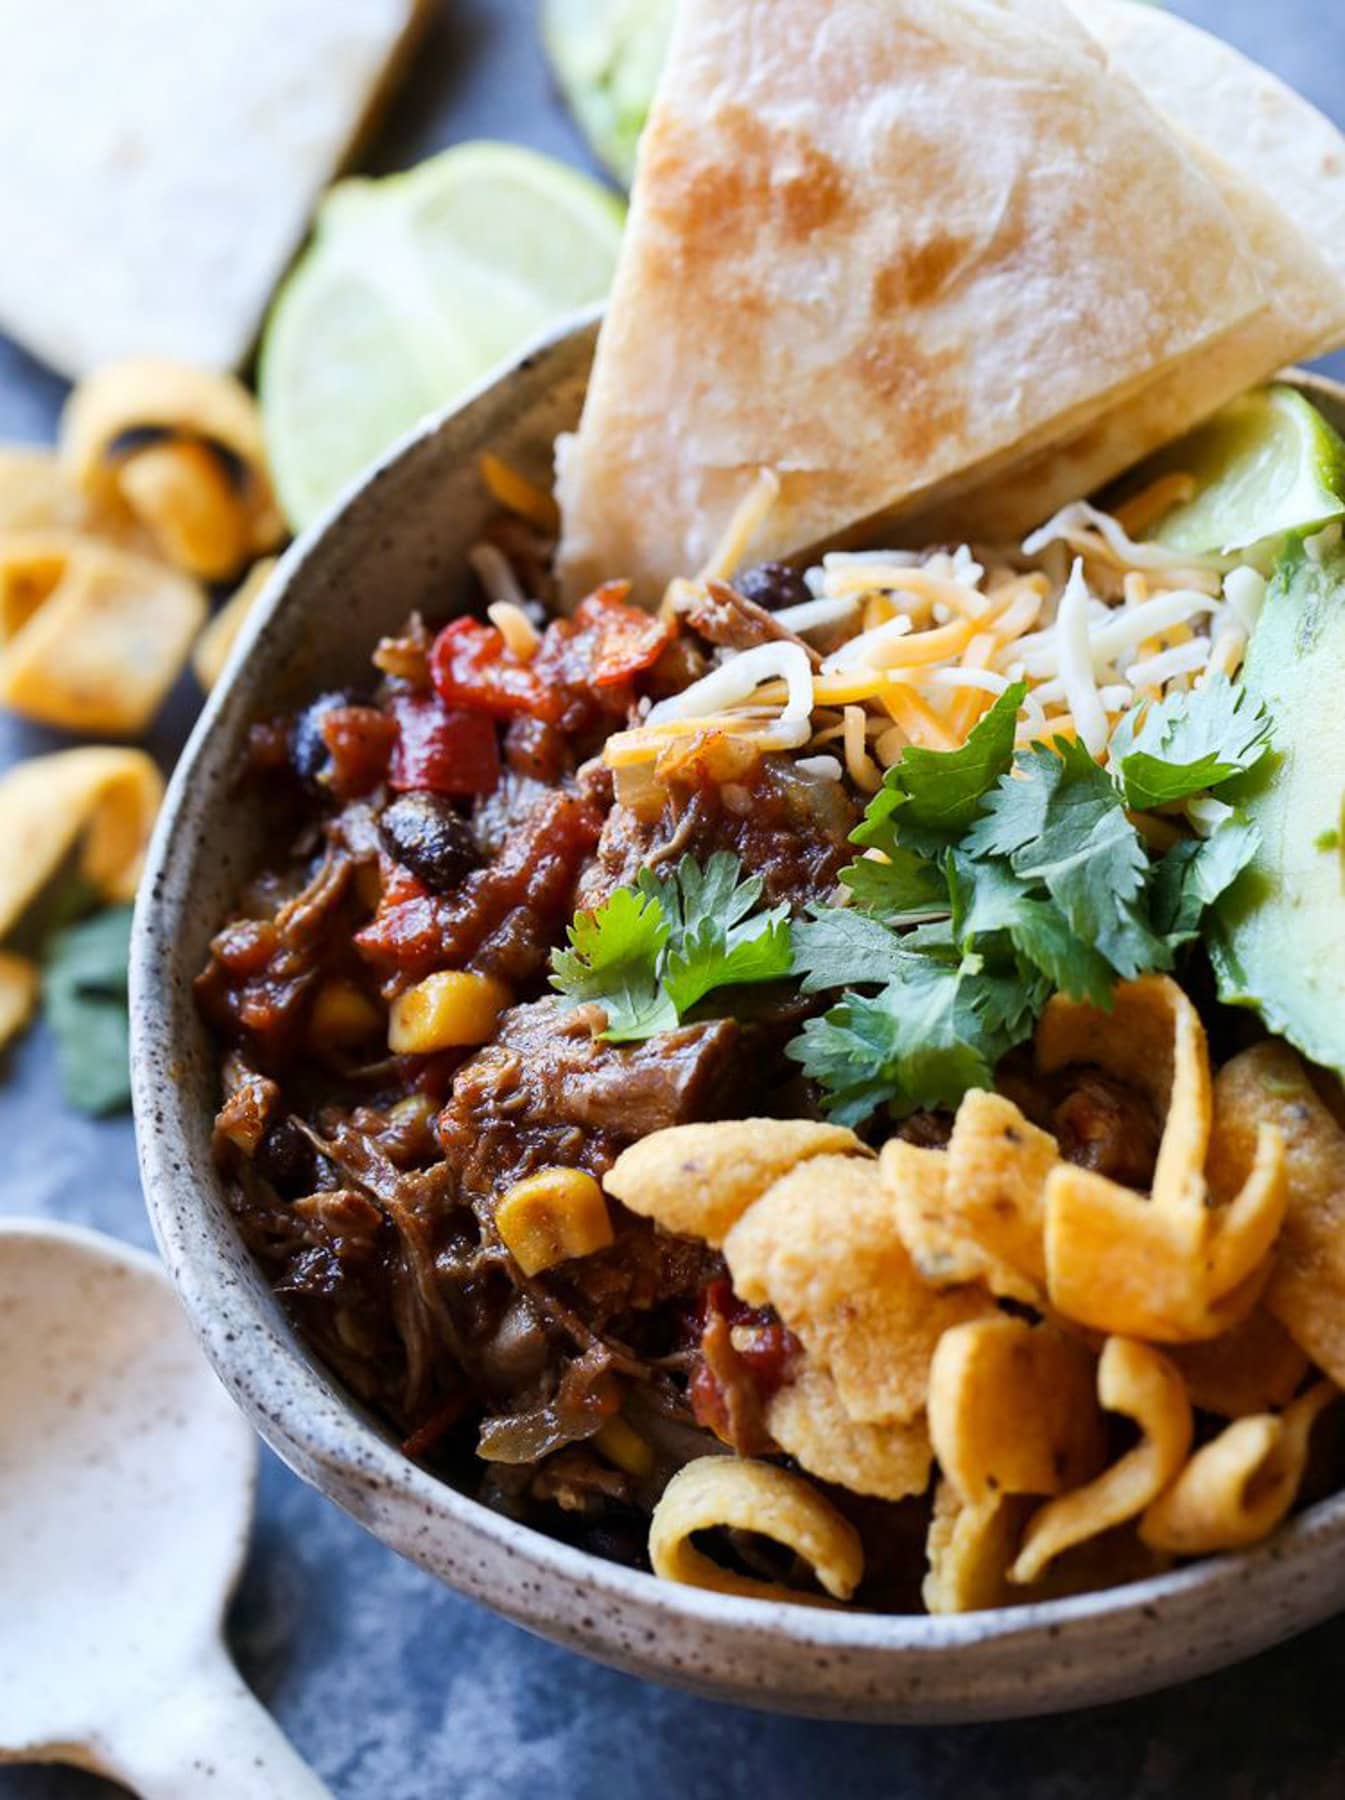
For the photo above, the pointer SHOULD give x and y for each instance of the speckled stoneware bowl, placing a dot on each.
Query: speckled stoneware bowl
(396, 541)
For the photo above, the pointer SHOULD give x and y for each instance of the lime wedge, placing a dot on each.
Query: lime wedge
(607, 55)
(1267, 464)
(412, 289)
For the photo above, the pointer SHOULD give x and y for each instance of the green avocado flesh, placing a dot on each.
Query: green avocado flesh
(1278, 942)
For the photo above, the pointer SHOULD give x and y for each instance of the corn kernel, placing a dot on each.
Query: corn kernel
(623, 1446)
(448, 1011)
(342, 1017)
(552, 1216)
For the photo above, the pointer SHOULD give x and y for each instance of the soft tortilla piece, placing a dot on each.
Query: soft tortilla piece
(823, 1247)
(1280, 166)
(874, 245)
(162, 162)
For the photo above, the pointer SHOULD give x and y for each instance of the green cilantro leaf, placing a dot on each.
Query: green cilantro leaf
(930, 797)
(929, 1036)
(903, 889)
(1059, 821)
(613, 960)
(837, 947)
(712, 941)
(84, 998)
(1188, 743)
(1196, 872)
(648, 956)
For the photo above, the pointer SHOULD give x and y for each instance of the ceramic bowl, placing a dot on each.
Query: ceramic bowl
(397, 541)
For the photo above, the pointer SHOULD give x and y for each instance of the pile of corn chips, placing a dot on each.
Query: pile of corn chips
(1104, 1380)
(159, 486)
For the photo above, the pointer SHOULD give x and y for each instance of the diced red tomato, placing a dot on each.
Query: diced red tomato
(448, 749)
(472, 666)
(360, 741)
(625, 640)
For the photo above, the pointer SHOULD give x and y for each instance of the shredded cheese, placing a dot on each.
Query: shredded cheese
(495, 572)
(749, 516)
(737, 678)
(863, 771)
(516, 628)
(812, 615)
(1076, 663)
(1181, 659)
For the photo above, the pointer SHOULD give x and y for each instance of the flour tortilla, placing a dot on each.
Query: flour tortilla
(1281, 169)
(876, 244)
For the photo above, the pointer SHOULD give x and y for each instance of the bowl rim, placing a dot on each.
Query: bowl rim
(322, 1432)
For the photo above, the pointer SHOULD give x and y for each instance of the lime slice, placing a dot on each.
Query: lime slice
(1267, 464)
(607, 55)
(412, 289)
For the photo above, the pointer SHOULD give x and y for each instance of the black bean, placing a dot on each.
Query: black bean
(309, 754)
(772, 585)
(426, 834)
(285, 1158)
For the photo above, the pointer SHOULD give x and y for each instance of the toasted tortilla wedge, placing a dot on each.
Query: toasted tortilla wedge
(875, 244)
(1281, 169)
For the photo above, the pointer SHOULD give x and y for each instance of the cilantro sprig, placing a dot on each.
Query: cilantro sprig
(1005, 876)
(650, 954)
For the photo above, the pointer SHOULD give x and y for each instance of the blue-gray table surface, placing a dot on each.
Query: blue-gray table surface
(396, 1689)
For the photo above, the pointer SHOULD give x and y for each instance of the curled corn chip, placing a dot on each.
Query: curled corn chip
(969, 1549)
(212, 648)
(106, 797)
(1152, 1040)
(93, 637)
(1136, 1380)
(18, 994)
(37, 494)
(975, 1212)
(1169, 1268)
(722, 1491)
(1268, 1088)
(1236, 1489)
(808, 1422)
(822, 1246)
(1255, 1367)
(698, 1180)
(1013, 1409)
(183, 449)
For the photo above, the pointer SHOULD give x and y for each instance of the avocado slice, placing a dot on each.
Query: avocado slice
(1278, 936)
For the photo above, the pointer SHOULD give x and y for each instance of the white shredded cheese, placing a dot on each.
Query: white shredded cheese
(516, 628)
(824, 768)
(1182, 659)
(813, 614)
(1245, 592)
(1075, 525)
(496, 575)
(737, 679)
(866, 650)
(1076, 663)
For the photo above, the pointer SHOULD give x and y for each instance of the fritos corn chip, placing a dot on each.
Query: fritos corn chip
(1268, 1086)
(106, 797)
(1256, 1367)
(1136, 1380)
(1236, 1489)
(18, 994)
(822, 1246)
(975, 1212)
(808, 1422)
(1013, 1409)
(182, 448)
(970, 1549)
(698, 1180)
(722, 1491)
(1169, 1268)
(93, 636)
